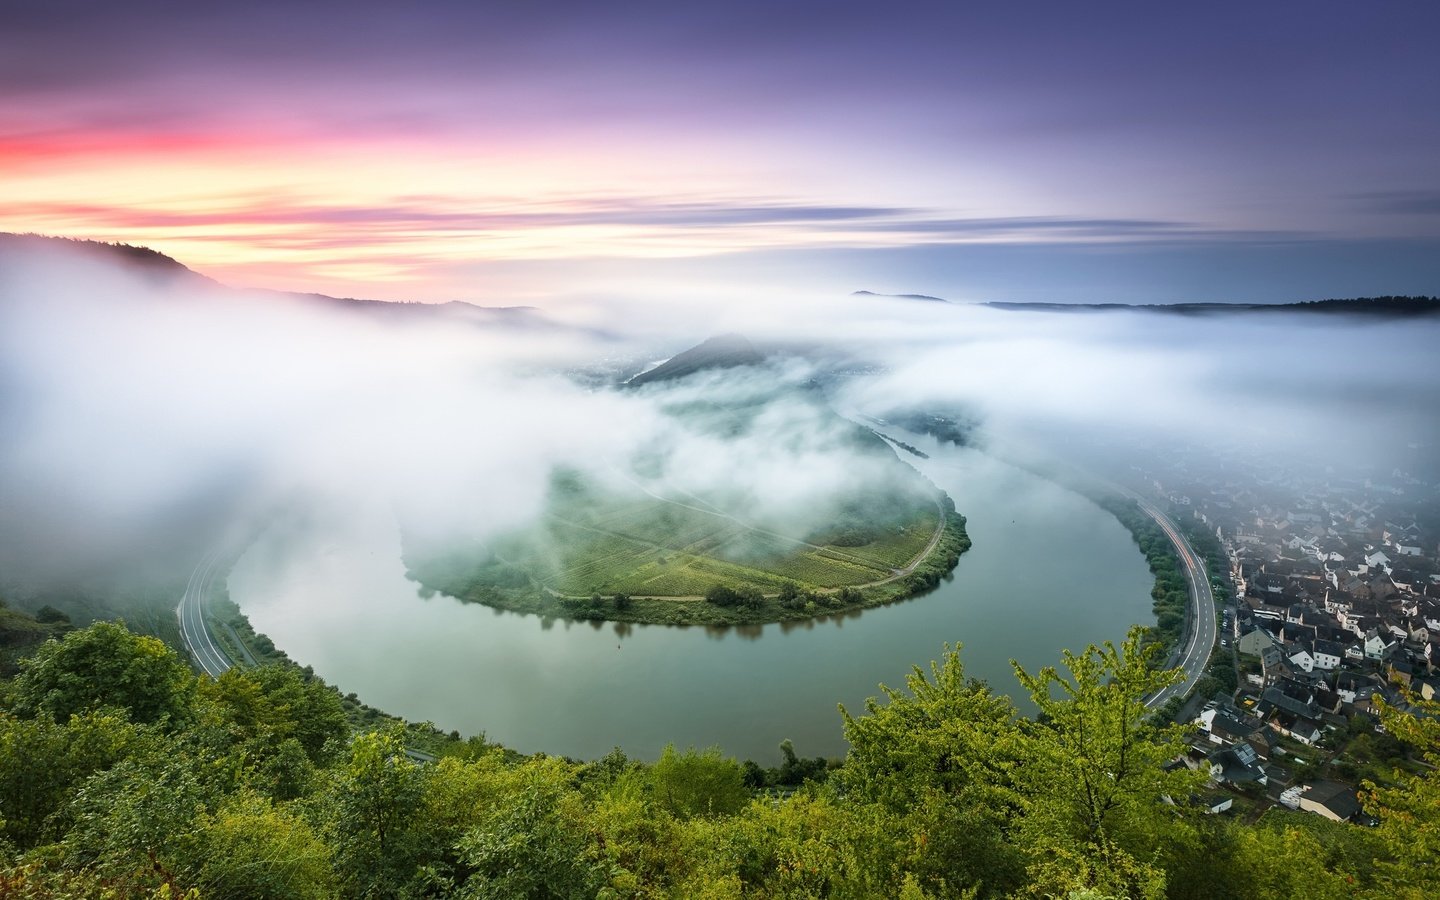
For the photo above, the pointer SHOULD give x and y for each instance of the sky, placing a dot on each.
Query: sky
(547, 153)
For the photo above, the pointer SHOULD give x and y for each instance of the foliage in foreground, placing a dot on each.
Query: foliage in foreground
(123, 775)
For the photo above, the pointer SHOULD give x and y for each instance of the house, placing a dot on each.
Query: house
(1401, 671)
(1331, 799)
(1274, 665)
(1429, 688)
(1300, 656)
(1290, 695)
(1236, 765)
(1254, 641)
(1378, 645)
(1263, 742)
(1305, 730)
(1327, 655)
(1225, 726)
(1406, 580)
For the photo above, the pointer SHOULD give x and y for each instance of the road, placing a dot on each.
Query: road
(1195, 654)
(194, 630)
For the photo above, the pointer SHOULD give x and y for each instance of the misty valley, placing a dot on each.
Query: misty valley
(634, 542)
(500, 543)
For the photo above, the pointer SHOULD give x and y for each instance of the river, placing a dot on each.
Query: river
(1048, 570)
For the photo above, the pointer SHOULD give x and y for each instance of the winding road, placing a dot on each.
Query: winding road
(194, 629)
(1195, 654)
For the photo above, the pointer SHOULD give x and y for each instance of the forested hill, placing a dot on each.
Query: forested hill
(136, 259)
(124, 774)
(166, 271)
(725, 351)
(1379, 307)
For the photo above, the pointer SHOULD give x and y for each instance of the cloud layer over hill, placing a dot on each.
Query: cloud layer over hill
(144, 414)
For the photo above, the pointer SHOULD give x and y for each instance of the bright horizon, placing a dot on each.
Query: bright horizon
(555, 153)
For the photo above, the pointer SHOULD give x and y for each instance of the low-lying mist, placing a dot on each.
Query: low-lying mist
(146, 416)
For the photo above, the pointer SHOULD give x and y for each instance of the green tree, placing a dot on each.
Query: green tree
(43, 764)
(253, 850)
(131, 821)
(372, 822)
(1409, 810)
(534, 845)
(270, 705)
(105, 665)
(943, 757)
(805, 847)
(699, 783)
(948, 734)
(1095, 779)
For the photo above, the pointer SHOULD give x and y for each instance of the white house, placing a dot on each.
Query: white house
(1298, 655)
(1327, 655)
(1378, 645)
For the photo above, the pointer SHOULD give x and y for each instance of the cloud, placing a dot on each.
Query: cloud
(141, 418)
(1418, 201)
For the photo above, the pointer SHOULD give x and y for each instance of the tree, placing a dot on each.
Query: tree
(253, 850)
(132, 820)
(49, 615)
(1409, 811)
(944, 757)
(948, 734)
(272, 704)
(533, 845)
(720, 595)
(372, 822)
(43, 763)
(699, 783)
(105, 665)
(804, 847)
(1095, 780)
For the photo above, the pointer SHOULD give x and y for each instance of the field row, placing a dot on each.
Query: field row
(646, 546)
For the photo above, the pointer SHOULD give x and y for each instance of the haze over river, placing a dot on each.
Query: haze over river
(1048, 570)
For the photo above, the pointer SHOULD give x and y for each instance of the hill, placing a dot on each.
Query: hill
(1384, 306)
(163, 270)
(875, 531)
(726, 351)
(922, 297)
(150, 263)
(1379, 307)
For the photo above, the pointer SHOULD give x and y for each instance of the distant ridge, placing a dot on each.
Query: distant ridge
(152, 263)
(162, 269)
(1384, 307)
(926, 297)
(726, 351)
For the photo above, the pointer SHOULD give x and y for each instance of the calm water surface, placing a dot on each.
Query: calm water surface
(1048, 570)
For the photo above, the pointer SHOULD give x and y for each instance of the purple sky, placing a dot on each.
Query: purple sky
(1041, 151)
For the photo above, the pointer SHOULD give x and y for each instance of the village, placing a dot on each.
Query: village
(1333, 608)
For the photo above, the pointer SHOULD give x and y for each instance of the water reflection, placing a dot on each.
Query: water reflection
(1048, 570)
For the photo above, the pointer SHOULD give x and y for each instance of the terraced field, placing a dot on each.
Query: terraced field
(658, 546)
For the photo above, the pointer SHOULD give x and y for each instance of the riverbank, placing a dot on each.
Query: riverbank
(1048, 569)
